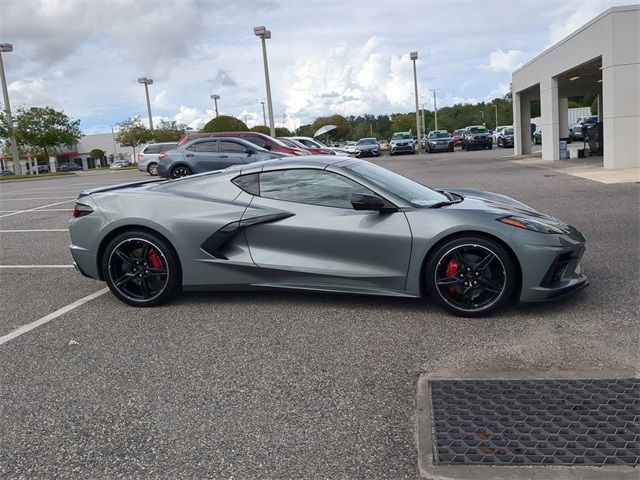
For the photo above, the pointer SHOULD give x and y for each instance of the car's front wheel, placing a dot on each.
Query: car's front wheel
(152, 169)
(141, 269)
(180, 171)
(470, 276)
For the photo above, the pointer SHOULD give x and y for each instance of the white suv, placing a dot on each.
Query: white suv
(148, 156)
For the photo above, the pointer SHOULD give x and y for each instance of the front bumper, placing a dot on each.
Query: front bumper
(368, 153)
(402, 148)
(440, 147)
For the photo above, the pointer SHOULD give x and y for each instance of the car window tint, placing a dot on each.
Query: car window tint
(249, 183)
(231, 147)
(152, 149)
(315, 187)
(261, 142)
(207, 146)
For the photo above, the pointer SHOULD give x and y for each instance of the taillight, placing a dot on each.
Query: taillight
(140, 156)
(80, 210)
(162, 156)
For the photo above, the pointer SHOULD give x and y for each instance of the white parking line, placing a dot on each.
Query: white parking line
(40, 210)
(35, 208)
(36, 230)
(52, 316)
(28, 199)
(35, 266)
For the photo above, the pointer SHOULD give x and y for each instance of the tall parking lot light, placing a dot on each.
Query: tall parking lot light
(215, 102)
(414, 57)
(496, 107)
(265, 34)
(147, 81)
(435, 106)
(17, 169)
(264, 115)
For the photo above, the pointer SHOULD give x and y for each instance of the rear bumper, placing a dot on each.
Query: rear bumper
(84, 262)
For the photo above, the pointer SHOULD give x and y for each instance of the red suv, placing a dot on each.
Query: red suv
(260, 139)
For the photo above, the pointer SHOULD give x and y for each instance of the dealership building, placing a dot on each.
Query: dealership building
(601, 58)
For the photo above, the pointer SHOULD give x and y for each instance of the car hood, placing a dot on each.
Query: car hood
(499, 204)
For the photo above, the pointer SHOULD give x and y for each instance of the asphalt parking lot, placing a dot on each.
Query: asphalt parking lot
(278, 384)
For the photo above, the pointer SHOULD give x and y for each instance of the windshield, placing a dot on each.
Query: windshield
(476, 129)
(412, 192)
(508, 131)
(401, 136)
(367, 141)
(438, 134)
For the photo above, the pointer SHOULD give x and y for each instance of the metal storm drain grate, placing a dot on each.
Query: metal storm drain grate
(536, 422)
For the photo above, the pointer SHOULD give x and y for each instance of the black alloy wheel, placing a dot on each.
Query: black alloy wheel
(470, 276)
(180, 171)
(141, 269)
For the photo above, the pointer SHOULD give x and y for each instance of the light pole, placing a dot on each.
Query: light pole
(147, 81)
(496, 107)
(424, 120)
(414, 57)
(265, 34)
(264, 115)
(215, 102)
(482, 113)
(17, 169)
(435, 106)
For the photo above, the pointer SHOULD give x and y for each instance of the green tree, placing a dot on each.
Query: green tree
(45, 129)
(168, 131)
(97, 154)
(403, 122)
(306, 130)
(283, 132)
(261, 129)
(225, 123)
(132, 133)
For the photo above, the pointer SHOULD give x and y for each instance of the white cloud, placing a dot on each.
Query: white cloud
(505, 62)
(160, 101)
(569, 23)
(193, 117)
(30, 93)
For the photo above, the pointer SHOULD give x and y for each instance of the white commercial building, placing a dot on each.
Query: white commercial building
(603, 58)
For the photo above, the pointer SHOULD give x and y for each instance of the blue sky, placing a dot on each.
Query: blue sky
(347, 57)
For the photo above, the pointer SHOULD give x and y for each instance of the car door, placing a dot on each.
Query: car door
(203, 155)
(317, 238)
(233, 153)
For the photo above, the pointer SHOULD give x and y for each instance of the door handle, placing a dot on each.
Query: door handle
(188, 154)
(224, 156)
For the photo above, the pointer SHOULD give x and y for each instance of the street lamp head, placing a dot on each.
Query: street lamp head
(6, 47)
(146, 80)
(215, 97)
(413, 55)
(262, 32)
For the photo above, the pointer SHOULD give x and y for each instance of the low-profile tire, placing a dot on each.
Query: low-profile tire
(470, 276)
(180, 171)
(152, 169)
(141, 269)
(490, 147)
(467, 147)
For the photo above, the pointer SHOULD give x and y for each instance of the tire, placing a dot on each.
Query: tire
(467, 148)
(180, 171)
(478, 259)
(152, 169)
(141, 269)
(490, 147)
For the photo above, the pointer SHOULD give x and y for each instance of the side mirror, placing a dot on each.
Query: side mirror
(249, 151)
(364, 201)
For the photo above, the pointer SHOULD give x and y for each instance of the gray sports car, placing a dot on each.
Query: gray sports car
(322, 223)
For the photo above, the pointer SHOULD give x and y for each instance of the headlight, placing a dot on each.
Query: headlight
(530, 224)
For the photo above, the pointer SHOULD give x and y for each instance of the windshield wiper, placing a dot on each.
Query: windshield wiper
(450, 202)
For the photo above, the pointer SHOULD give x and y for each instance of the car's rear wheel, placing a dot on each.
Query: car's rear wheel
(152, 168)
(470, 276)
(180, 171)
(141, 269)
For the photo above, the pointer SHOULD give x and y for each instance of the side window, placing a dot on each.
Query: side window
(314, 187)
(152, 149)
(231, 147)
(207, 146)
(261, 142)
(249, 183)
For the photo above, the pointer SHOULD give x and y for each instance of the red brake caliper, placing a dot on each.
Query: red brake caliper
(452, 268)
(154, 259)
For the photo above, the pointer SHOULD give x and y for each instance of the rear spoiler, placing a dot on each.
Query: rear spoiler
(90, 191)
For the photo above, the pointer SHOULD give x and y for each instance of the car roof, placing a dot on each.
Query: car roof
(305, 161)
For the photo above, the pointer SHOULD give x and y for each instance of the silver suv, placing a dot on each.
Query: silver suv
(148, 156)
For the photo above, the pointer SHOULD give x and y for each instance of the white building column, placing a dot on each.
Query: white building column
(550, 122)
(521, 123)
(563, 116)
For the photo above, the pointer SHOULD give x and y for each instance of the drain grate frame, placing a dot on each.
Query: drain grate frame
(576, 425)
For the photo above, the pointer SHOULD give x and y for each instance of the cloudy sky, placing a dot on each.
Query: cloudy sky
(347, 57)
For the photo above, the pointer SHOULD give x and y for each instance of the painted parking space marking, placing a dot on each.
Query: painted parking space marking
(33, 198)
(35, 208)
(52, 316)
(41, 210)
(9, 267)
(32, 230)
